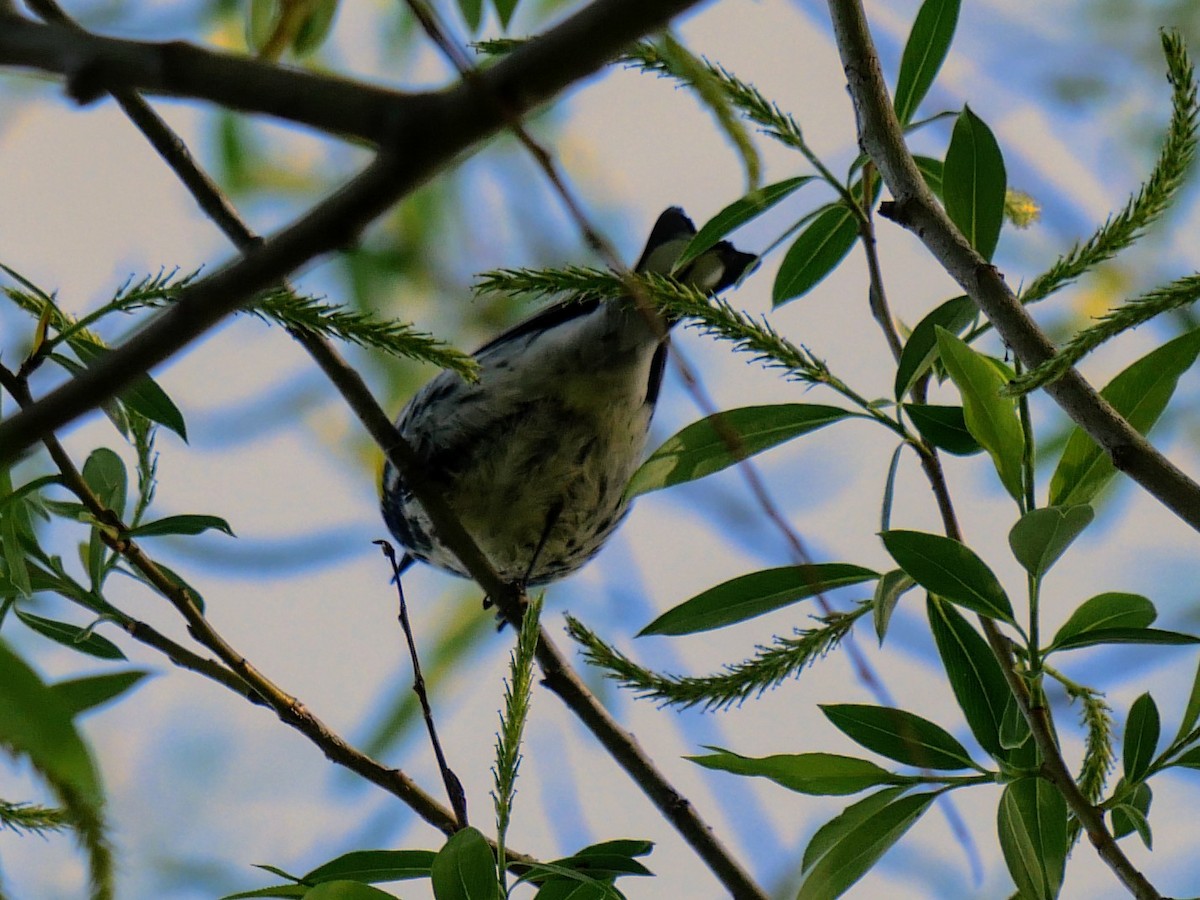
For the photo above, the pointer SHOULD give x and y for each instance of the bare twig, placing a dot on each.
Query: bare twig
(454, 788)
(882, 138)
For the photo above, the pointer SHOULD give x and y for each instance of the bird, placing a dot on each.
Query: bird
(535, 455)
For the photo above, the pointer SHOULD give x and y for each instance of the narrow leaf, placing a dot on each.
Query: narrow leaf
(888, 591)
(374, 866)
(1140, 394)
(831, 833)
(464, 869)
(144, 396)
(1191, 712)
(1105, 611)
(1041, 536)
(974, 674)
(815, 253)
(81, 695)
(944, 426)
(974, 183)
(1141, 738)
(754, 595)
(991, 418)
(347, 890)
(1032, 822)
(951, 570)
(1130, 814)
(861, 847)
(737, 214)
(720, 440)
(1126, 636)
(926, 49)
(822, 774)
(900, 735)
(185, 524)
(921, 348)
(36, 721)
(84, 640)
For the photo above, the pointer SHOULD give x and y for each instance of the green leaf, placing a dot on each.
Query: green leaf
(186, 524)
(815, 253)
(505, 10)
(81, 695)
(1141, 738)
(311, 35)
(85, 640)
(943, 426)
(278, 890)
(831, 833)
(821, 774)
(860, 847)
(888, 591)
(1127, 636)
(1032, 822)
(974, 674)
(35, 721)
(1014, 729)
(465, 869)
(900, 735)
(472, 13)
(974, 183)
(924, 53)
(932, 171)
(1106, 611)
(105, 474)
(754, 595)
(1192, 711)
(1188, 760)
(991, 418)
(737, 214)
(720, 440)
(346, 890)
(1140, 394)
(373, 866)
(951, 570)
(143, 396)
(1130, 814)
(14, 523)
(1041, 536)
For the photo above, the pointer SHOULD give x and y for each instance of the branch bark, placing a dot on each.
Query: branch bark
(916, 209)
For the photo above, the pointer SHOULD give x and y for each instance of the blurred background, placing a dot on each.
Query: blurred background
(202, 785)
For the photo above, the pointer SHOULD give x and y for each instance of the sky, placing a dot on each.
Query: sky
(202, 785)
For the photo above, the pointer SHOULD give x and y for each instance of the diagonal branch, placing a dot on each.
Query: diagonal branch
(435, 131)
(881, 137)
(539, 69)
(916, 209)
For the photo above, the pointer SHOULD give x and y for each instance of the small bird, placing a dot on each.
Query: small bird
(534, 457)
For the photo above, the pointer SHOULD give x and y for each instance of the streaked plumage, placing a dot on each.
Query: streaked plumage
(539, 450)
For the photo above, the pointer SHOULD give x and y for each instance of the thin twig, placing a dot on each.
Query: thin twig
(882, 138)
(454, 788)
(243, 676)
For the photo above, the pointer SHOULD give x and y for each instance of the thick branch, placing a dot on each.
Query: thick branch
(916, 209)
(435, 130)
(460, 116)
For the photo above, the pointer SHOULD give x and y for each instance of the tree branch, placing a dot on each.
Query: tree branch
(916, 209)
(532, 74)
(882, 138)
(435, 131)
